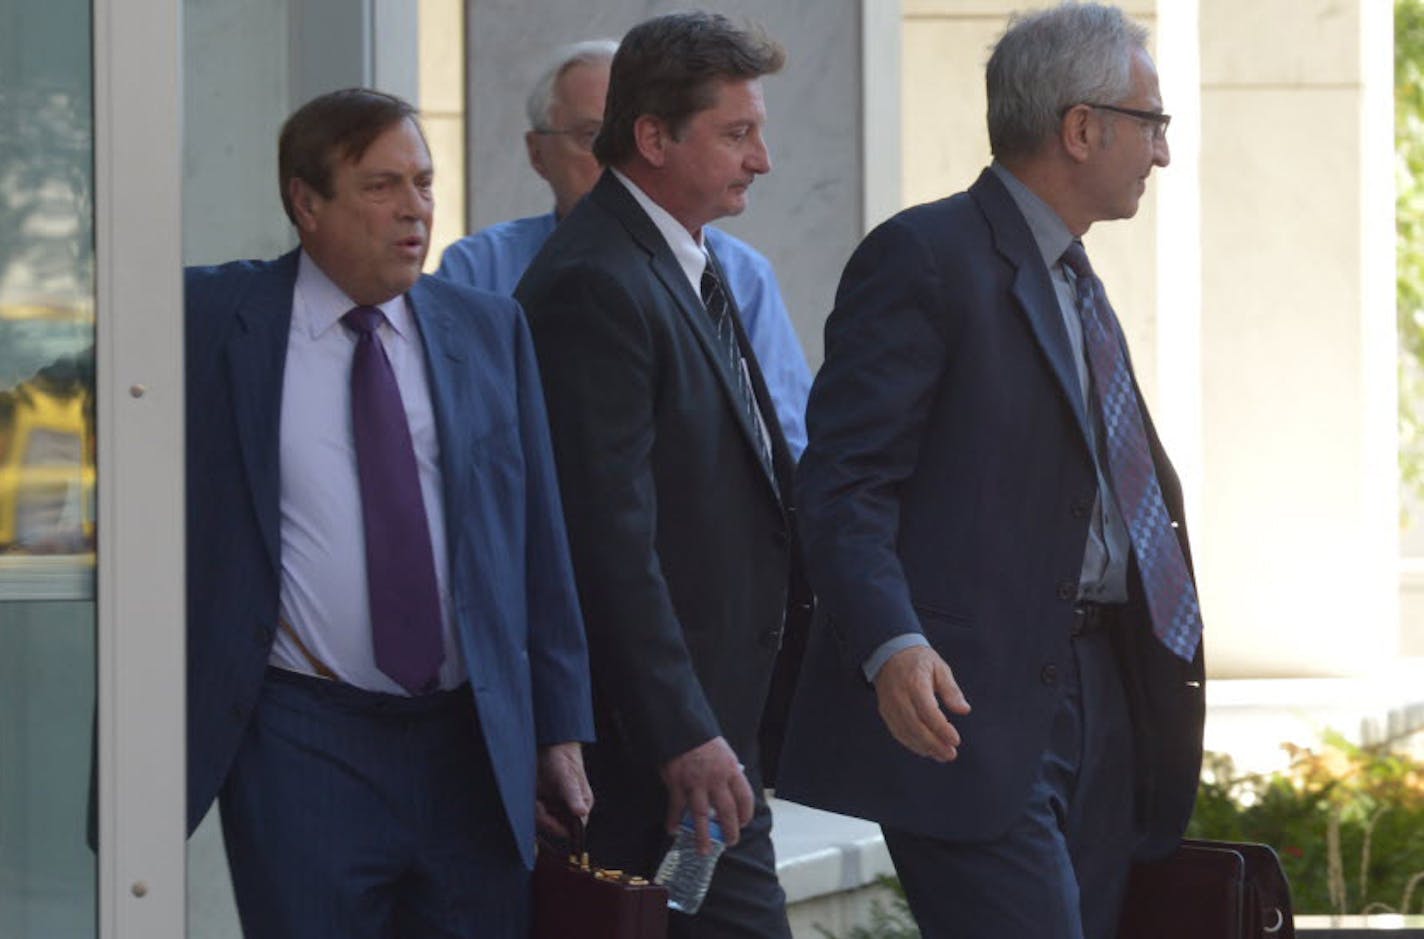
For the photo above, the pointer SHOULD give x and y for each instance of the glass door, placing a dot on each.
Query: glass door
(48, 883)
(91, 538)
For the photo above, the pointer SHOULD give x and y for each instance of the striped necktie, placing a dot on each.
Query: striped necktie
(719, 308)
(1171, 595)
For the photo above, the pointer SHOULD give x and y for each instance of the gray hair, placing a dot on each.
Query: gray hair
(1050, 60)
(541, 99)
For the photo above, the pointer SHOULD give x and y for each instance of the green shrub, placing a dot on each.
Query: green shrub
(1347, 821)
(887, 921)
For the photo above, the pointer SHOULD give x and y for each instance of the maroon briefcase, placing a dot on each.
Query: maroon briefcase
(1221, 889)
(573, 898)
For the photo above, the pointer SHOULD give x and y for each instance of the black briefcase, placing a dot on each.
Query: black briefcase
(1216, 889)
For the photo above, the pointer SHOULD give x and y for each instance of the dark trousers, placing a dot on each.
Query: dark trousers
(1061, 870)
(355, 815)
(745, 899)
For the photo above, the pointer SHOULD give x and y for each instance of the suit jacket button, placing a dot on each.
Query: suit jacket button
(1049, 675)
(1067, 590)
(771, 638)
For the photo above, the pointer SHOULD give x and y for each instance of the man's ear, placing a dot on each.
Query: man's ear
(536, 153)
(651, 136)
(306, 203)
(1076, 132)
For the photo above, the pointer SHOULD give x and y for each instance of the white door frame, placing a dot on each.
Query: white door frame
(139, 392)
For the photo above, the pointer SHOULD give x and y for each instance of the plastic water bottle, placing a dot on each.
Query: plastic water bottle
(685, 873)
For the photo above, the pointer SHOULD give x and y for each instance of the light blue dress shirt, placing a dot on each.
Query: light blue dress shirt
(496, 257)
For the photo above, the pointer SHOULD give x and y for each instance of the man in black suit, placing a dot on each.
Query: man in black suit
(675, 475)
(991, 523)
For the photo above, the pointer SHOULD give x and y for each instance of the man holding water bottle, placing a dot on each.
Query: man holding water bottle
(675, 474)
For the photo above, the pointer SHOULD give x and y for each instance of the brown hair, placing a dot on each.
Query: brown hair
(668, 67)
(340, 124)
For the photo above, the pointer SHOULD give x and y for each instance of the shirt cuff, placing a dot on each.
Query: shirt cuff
(889, 647)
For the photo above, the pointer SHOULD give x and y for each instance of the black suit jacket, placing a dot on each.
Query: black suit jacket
(947, 489)
(683, 544)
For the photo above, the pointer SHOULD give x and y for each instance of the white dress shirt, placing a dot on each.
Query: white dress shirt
(690, 254)
(324, 598)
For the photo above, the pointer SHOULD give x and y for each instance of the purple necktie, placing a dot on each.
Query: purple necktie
(400, 565)
(1171, 595)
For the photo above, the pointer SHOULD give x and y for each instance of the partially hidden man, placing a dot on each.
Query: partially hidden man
(385, 650)
(675, 475)
(1009, 673)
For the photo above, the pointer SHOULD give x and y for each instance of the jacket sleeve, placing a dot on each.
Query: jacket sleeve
(867, 415)
(558, 653)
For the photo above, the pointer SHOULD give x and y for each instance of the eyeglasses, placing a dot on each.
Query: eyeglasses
(581, 137)
(1157, 119)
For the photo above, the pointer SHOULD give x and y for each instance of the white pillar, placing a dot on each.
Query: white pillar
(1298, 554)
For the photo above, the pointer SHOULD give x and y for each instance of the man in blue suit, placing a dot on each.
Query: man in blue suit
(386, 657)
(1008, 674)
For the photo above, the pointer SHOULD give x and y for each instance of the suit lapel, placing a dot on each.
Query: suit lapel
(451, 394)
(614, 197)
(256, 357)
(1032, 288)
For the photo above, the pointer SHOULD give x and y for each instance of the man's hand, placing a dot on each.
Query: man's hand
(708, 777)
(562, 784)
(910, 688)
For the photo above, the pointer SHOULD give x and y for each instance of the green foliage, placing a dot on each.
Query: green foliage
(1347, 821)
(1409, 241)
(892, 921)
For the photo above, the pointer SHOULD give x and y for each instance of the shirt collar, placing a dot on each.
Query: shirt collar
(688, 251)
(1049, 232)
(324, 304)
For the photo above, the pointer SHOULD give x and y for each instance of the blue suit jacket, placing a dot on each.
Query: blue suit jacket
(947, 489)
(510, 579)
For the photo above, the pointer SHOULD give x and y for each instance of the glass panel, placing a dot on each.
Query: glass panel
(47, 470)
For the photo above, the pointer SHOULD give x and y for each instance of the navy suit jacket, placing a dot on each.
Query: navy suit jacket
(510, 578)
(947, 489)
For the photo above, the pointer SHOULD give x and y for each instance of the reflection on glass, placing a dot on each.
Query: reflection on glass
(46, 343)
(47, 486)
(47, 460)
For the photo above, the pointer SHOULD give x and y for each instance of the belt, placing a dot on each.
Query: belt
(371, 702)
(1090, 618)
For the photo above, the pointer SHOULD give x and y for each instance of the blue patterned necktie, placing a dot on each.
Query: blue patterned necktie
(1171, 595)
(400, 563)
(719, 308)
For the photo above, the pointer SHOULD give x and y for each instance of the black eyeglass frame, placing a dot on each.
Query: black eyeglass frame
(1159, 120)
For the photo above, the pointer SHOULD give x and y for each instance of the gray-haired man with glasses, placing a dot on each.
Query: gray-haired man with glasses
(1010, 677)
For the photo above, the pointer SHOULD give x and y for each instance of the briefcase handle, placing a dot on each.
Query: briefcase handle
(577, 845)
